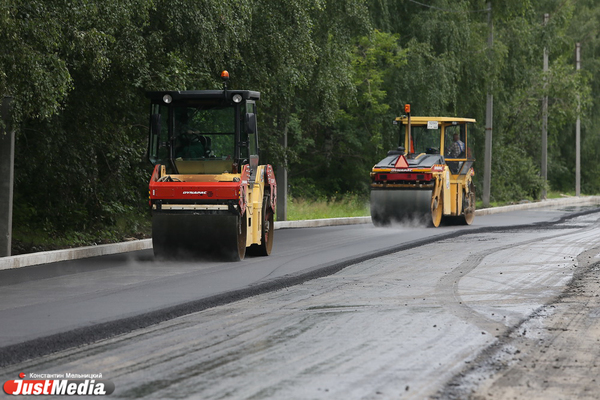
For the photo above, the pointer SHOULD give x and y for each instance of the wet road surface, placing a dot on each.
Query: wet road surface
(405, 324)
(56, 298)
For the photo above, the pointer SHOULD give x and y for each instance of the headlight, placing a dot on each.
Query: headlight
(167, 98)
(237, 98)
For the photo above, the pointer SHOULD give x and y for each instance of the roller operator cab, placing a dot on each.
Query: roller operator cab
(208, 194)
(429, 176)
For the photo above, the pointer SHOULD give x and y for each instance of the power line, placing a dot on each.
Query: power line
(449, 11)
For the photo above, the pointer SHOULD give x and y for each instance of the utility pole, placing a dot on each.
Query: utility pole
(545, 120)
(7, 161)
(489, 114)
(282, 181)
(578, 128)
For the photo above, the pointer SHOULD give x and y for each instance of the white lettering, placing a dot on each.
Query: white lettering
(59, 387)
(82, 387)
(71, 389)
(99, 389)
(194, 192)
(45, 376)
(83, 376)
(47, 385)
(19, 385)
(27, 388)
(38, 388)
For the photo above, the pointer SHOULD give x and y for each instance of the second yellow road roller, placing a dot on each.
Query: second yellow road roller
(429, 177)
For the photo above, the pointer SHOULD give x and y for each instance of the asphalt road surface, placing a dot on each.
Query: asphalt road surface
(505, 308)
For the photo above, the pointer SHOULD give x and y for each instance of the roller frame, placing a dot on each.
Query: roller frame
(399, 180)
(215, 199)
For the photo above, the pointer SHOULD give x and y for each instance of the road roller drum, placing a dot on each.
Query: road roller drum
(177, 235)
(398, 206)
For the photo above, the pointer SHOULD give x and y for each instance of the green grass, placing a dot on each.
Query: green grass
(349, 205)
(29, 239)
(560, 195)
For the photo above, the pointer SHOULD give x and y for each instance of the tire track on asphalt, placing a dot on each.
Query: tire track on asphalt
(447, 286)
(506, 355)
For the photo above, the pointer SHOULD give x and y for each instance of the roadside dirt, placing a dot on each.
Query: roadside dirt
(554, 354)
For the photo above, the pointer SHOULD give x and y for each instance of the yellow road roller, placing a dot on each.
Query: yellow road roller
(209, 197)
(429, 177)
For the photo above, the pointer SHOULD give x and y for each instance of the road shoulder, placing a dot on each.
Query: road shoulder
(555, 353)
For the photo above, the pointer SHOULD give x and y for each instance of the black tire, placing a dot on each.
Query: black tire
(242, 233)
(268, 227)
(437, 211)
(469, 206)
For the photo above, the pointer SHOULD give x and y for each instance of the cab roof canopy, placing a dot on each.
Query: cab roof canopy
(441, 120)
(203, 94)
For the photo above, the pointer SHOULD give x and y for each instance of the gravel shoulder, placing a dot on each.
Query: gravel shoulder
(554, 353)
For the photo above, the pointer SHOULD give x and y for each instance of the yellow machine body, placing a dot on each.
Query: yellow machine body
(208, 194)
(430, 177)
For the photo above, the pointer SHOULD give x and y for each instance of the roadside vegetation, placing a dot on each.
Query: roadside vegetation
(332, 74)
(349, 205)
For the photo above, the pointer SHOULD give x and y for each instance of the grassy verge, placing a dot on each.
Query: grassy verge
(31, 239)
(349, 205)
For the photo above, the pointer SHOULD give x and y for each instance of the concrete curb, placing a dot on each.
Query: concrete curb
(565, 201)
(313, 223)
(46, 257)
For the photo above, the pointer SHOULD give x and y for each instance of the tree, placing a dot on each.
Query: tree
(343, 151)
(333, 75)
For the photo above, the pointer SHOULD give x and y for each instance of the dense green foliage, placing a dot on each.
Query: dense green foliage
(333, 74)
